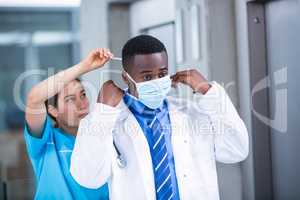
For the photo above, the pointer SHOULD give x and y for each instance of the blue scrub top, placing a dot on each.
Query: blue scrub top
(50, 157)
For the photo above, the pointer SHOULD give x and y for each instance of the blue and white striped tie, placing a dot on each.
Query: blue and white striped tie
(162, 174)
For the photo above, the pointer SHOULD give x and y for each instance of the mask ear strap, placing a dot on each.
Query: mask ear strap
(133, 83)
(130, 78)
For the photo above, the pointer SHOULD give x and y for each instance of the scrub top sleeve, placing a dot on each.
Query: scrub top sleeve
(36, 146)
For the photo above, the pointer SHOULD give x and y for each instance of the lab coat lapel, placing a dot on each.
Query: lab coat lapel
(142, 151)
(178, 125)
(180, 147)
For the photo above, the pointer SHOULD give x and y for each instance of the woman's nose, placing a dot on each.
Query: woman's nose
(82, 104)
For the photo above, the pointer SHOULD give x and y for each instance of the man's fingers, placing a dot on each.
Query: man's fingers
(178, 74)
(184, 72)
(180, 78)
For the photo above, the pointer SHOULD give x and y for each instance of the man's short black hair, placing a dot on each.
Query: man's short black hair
(141, 45)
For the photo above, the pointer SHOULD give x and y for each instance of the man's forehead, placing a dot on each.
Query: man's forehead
(149, 61)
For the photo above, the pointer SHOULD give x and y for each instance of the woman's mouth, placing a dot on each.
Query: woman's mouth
(82, 115)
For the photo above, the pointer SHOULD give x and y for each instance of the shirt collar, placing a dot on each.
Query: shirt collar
(64, 140)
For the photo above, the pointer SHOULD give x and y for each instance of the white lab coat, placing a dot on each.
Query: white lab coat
(203, 131)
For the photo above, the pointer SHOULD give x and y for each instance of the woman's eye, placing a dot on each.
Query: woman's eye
(69, 100)
(83, 96)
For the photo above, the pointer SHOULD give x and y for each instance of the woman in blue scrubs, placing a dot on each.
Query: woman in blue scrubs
(54, 109)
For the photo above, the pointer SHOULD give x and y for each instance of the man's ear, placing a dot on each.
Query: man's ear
(52, 111)
(124, 77)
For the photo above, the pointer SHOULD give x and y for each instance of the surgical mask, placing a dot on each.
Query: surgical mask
(152, 93)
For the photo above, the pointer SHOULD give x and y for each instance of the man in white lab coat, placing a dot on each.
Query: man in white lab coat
(150, 146)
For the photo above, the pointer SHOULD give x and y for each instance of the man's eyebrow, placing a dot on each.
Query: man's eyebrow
(163, 68)
(145, 71)
(149, 71)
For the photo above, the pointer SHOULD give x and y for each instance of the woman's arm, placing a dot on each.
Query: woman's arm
(35, 111)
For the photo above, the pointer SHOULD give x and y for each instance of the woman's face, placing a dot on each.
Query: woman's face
(72, 105)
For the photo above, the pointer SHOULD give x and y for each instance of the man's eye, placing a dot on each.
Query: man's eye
(147, 77)
(162, 74)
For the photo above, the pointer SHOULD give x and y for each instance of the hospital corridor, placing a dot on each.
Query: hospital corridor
(75, 104)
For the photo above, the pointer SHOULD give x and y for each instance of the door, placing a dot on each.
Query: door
(160, 25)
(283, 47)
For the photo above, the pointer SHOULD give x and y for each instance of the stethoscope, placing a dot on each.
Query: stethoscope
(121, 161)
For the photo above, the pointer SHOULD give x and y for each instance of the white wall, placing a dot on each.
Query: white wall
(93, 34)
(147, 9)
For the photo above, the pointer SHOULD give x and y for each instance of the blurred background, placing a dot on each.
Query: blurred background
(251, 47)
